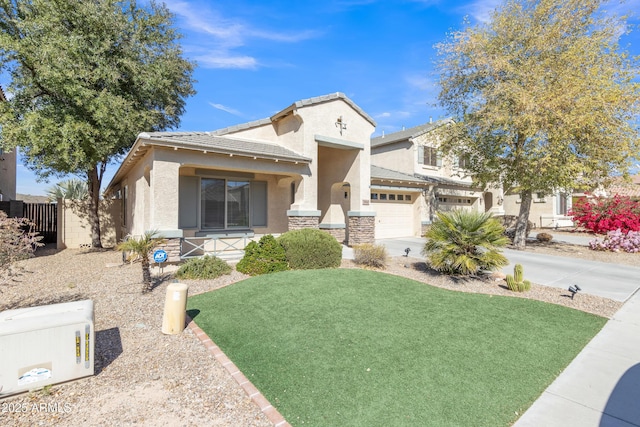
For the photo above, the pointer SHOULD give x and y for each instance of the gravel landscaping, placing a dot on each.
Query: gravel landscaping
(144, 377)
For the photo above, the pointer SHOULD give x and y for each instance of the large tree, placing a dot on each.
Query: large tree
(86, 78)
(543, 97)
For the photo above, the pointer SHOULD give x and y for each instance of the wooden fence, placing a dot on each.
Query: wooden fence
(45, 218)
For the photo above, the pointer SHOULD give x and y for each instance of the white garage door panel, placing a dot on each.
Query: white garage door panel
(394, 220)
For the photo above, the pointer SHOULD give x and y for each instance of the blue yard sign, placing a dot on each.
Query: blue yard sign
(160, 256)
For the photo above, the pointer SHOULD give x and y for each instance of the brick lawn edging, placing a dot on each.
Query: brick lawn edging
(254, 394)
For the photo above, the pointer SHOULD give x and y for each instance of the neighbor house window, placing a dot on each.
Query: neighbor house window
(563, 204)
(462, 162)
(429, 156)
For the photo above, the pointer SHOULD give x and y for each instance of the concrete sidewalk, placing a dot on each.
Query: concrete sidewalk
(601, 387)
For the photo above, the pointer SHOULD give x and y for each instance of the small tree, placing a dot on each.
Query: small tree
(17, 241)
(543, 98)
(463, 242)
(86, 78)
(140, 248)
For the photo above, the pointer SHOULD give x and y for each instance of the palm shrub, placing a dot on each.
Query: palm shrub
(140, 248)
(71, 189)
(465, 242)
(262, 257)
(207, 267)
(310, 248)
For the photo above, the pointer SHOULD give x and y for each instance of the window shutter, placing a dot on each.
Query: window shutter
(438, 160)
(259, 204)
(420, 155)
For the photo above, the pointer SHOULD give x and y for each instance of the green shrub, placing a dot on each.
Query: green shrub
(464, 242)
(265, 256)
(311, 248)
(370, 255)
(544, 237)
(207, 267)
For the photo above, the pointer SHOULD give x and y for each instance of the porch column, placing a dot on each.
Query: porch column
(164, 200)
(303, 219)
(362, 227)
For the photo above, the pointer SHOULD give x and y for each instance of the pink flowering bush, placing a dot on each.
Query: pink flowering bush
(617, 241)
(607, 214)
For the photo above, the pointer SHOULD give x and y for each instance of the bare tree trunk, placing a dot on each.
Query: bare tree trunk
(147, 285)
(93, 187)
(520, 238)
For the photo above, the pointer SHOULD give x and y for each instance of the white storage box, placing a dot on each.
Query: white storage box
(45, 345)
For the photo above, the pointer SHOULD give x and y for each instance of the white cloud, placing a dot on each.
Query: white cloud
(216, 37)
(383, 115)
(481, 10)
(225, 60)
(225, 109)
(421, 82)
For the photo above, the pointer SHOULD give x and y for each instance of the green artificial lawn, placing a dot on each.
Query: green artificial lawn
(360, 348)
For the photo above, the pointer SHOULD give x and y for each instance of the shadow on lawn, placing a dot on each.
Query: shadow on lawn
(193, 313)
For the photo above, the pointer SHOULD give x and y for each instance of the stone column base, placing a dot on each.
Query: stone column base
(303, 219)
(336, 230)
(361, 228)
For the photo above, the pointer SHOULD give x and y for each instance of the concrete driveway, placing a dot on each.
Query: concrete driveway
(617, 282)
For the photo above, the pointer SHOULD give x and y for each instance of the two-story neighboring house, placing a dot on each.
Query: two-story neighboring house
(409, 164)
(7, 169)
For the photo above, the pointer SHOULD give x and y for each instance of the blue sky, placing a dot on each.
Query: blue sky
(257, 57)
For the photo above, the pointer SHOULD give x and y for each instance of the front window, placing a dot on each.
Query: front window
(224, 203)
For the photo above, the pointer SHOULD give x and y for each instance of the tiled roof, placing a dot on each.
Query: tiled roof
(624, 188)
(324, 98)
(225, 145)
(296, 105)
(406, 133)
(241, 126)
(381, 173)
(444, 181)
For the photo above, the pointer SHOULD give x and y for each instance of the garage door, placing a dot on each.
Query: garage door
(394, 219)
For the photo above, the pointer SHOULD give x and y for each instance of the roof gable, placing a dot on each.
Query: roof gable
(407, 134)
(295, 106)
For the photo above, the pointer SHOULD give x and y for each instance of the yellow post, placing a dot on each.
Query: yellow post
(175, 308)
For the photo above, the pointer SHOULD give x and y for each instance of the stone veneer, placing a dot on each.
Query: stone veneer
(361, 230)
(172, 247)
(338, 233)
(300, 222)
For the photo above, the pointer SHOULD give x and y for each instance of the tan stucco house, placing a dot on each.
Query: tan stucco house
(7, 169)
(312, 164)
(308, 165)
